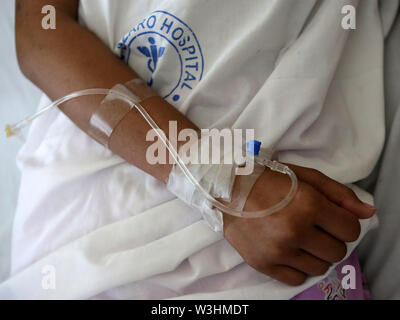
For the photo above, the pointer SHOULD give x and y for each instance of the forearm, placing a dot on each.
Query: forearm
(57, 61)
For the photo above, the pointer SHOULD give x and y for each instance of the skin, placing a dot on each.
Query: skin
(302, 239)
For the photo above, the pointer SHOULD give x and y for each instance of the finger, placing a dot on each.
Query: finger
(307, 263)
(338, 222)
(335, 191)
(323, 246)
(287, 275)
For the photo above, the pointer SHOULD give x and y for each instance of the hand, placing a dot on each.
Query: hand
(304, 238)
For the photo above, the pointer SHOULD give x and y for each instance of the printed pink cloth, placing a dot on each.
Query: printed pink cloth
(331, 288)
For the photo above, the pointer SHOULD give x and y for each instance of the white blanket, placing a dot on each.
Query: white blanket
(18, 98)
(285, 68)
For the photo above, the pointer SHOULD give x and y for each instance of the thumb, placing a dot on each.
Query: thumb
(335, 192)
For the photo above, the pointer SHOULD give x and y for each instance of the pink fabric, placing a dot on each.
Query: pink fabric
(331, 287)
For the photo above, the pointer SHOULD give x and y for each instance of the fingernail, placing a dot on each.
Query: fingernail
(370, 207)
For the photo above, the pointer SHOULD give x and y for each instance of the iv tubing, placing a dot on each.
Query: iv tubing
(272, 164)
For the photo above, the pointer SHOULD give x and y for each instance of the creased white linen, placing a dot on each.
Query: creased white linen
(133, 249)
(288, 69)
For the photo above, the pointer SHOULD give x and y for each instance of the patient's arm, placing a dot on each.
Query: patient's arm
(286, 245)
(57, 61)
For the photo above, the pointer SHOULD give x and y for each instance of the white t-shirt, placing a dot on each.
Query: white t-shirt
(284, 68)
(288, 69)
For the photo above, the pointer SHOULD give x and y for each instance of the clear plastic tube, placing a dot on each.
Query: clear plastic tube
(272, 164)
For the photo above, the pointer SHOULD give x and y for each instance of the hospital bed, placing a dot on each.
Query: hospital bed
(381, 251)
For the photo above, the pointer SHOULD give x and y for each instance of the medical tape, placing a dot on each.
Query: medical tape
(217, 179)
(112, 109)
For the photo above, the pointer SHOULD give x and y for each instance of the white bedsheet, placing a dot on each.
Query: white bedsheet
(18, 98)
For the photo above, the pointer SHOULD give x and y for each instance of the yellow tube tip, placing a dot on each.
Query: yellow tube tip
(9, 131)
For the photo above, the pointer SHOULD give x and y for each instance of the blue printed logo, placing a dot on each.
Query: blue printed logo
(153, 53)
(165, 52)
